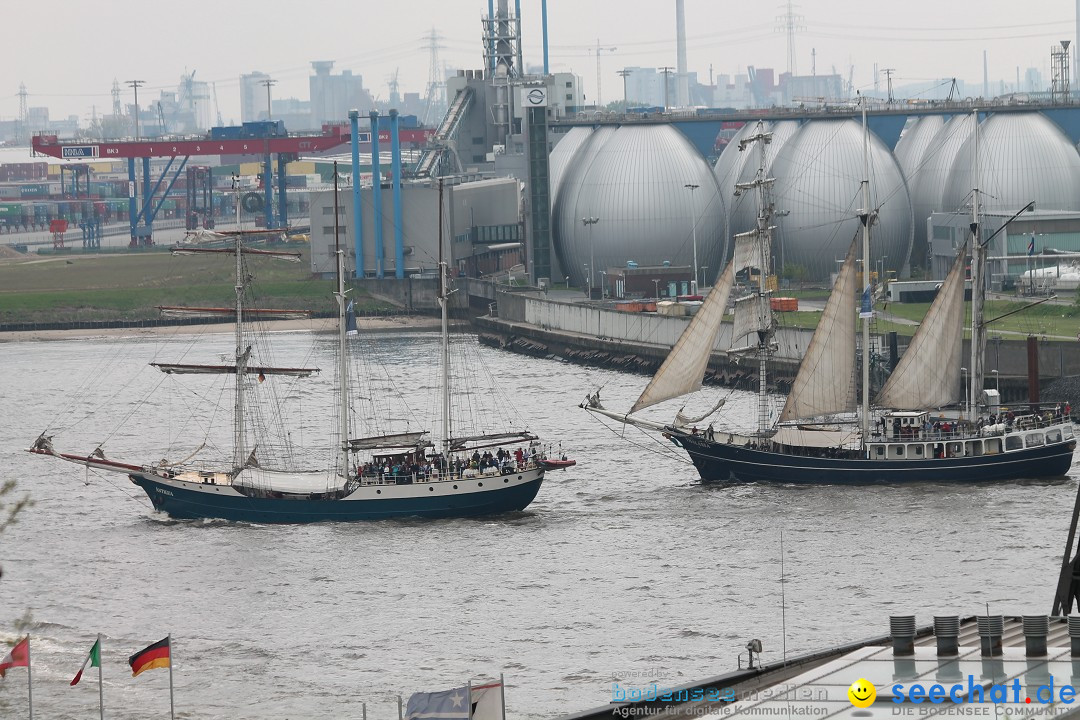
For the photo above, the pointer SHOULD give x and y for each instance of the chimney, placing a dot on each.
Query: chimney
(902, 630)
(991, 628)
(1036, 628)
(947, 631)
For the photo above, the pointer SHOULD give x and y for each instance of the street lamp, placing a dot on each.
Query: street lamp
(656, 288)
(997, 382)
(693, 213)
(589, 222)
(588, 281)
(704, 268)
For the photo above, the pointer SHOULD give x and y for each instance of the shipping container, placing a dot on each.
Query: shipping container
(784, 304)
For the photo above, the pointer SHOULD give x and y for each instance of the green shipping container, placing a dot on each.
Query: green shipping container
(10, 209)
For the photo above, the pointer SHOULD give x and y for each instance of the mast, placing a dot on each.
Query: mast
(444, 302)
(239, 458)
(865, 218)
(764, 245)
(978, 290)
(343, 368)
(761, 258)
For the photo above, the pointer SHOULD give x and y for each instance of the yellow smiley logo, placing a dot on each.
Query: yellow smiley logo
(861, 693)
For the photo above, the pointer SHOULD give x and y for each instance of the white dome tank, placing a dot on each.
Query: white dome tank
(817, 196)
(1022, 157)
(634, 180)
(560, 157)
(910, 152)
(928, 185)
(743, 210)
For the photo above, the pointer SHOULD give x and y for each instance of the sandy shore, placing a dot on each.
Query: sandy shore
(318, 325)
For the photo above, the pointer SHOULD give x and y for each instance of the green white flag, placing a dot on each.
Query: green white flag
(93, 660)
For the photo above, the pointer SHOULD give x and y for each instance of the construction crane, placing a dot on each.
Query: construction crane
(217, 110)
(161, 119)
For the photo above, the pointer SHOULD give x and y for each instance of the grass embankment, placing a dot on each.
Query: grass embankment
(1046, 319)
(72, 288)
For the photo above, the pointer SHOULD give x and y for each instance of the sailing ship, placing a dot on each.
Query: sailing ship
(368, 478)
(916, 430)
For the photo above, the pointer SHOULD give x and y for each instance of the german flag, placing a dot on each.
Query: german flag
(154, 656)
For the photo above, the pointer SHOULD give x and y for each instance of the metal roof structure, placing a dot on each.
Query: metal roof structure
(1018, 654)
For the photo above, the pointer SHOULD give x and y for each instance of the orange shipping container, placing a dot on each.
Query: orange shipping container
(784, 304)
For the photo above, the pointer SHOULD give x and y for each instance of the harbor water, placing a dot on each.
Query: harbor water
(624, 570)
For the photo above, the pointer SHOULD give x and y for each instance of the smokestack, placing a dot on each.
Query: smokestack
(376, 194)
(358, 218)
(395, 168)
(683, 85)
(986, 77)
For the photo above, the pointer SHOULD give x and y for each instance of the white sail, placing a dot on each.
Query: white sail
(749, 251)
(684, 367)
(826, 378)
(928, 375)
(753, 314)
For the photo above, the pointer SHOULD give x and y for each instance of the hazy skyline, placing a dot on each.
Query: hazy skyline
(69, 60)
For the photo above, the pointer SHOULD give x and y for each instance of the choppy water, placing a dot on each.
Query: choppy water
(624, 568)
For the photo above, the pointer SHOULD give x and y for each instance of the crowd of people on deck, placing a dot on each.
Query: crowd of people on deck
(416, 467)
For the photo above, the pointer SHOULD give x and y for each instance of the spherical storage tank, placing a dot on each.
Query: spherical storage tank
(1022, 157)
(743, 208)
(817, 196)
(633, 179)
(560, 156)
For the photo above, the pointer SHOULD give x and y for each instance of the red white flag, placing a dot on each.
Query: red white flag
(18, 657)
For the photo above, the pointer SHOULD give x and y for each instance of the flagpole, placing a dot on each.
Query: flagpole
(502, 694)
(100, 681)
(172, 710)
(29, 679)
(363, 708)
(399, 715)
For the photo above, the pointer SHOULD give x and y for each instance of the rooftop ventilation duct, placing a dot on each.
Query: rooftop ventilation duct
(991, 628)
(947, 631)
(1036, 628)
(902, 630)
(1074, 634)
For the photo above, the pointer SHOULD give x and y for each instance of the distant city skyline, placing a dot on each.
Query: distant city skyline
(71, 70)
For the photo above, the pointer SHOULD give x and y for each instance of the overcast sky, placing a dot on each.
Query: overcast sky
(68, 52)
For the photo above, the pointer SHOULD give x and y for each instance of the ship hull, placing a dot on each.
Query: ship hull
(723, 463)
(467, 497)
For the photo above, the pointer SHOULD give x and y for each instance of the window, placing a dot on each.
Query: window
(1053, 436)
(569, 97)
(1014, 442)
(879, 450)
(478, 141)
(478, 158)
(1068, 432)
(569, 84)
(898, 450)
(918, 451)
(1035, 440)
(993, 446)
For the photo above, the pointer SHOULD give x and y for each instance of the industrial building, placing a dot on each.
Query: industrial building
(482, 227)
